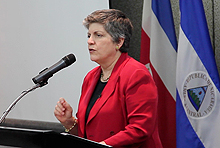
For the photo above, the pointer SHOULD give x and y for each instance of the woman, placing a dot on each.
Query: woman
(118, 103)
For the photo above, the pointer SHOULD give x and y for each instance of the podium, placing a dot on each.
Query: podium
(31, 138)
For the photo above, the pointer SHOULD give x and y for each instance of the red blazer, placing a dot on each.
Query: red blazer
(126, 112)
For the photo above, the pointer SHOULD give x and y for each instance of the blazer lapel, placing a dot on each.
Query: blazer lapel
(109, 88)
(88, 95)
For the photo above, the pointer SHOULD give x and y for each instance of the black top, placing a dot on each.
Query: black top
(96, 94)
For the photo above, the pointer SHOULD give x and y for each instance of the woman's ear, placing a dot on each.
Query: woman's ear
(120, 43)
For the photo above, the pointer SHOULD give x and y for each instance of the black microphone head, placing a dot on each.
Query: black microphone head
(69, 59)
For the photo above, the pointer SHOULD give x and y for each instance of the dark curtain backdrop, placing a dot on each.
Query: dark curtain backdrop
(133, 10)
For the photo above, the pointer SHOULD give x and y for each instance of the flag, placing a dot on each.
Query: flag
(197, 80)
(158, 53)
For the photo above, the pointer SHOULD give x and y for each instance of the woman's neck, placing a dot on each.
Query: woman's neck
(107, 68)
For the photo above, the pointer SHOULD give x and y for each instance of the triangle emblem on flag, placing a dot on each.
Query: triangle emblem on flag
(196, 96)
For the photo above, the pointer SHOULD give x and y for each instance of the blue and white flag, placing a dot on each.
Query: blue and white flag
(197, 78)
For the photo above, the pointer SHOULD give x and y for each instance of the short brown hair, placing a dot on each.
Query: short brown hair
(115, 23)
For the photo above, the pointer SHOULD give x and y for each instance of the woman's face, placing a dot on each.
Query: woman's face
(101, 47)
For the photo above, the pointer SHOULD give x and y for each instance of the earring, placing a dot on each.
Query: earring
(117, 47)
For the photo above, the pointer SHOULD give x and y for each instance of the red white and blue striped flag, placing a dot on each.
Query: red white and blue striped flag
(158, 53)
(197, 78)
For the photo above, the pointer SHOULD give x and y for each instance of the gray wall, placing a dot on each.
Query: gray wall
(35, 35)
(133, 9)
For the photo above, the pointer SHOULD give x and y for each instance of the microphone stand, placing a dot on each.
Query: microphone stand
(19, 98)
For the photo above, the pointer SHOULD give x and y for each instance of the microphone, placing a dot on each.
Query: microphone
(45, 74)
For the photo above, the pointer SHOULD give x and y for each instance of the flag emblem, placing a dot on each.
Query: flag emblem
(196, 96)
(199, 95)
